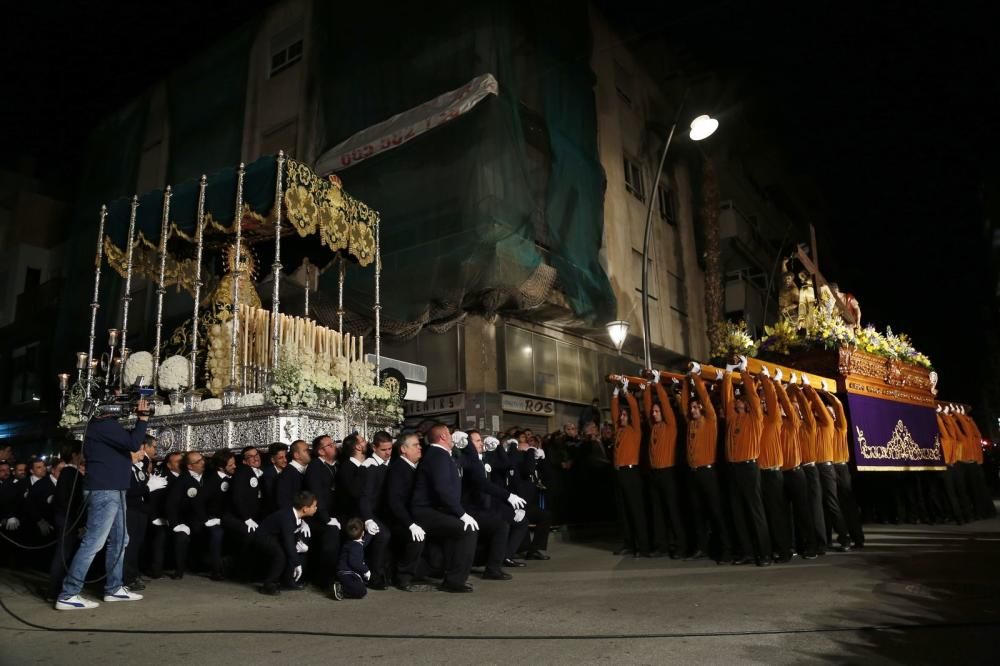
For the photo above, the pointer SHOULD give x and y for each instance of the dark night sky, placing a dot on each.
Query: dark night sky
(886, 108)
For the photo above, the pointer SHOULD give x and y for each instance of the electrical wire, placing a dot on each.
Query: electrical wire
(508, 637)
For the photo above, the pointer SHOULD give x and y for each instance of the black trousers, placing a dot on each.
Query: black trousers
(979, 494)
(352, 584)
(494, 531)
(377, 550)
(158, 536)
(848, 504)
(772, 490)
(182, 545)
(952, 482)
(136, 523)
(814, 489)
(632, 510)
(407, 553)
(271, 566)
(324, 551)
(797, 496)
(459, 544)
(542, 520)
(706, 509)
(668, 527)
(748, 510)
(831, 503)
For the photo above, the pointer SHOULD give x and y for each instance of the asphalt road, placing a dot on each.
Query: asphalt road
(916, 594)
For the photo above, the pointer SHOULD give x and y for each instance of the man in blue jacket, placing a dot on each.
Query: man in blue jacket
(107, 448)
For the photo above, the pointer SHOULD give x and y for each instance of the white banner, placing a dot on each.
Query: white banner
(407, 125)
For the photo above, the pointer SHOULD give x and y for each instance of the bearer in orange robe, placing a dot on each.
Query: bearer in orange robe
(667, 519)
(631, 507)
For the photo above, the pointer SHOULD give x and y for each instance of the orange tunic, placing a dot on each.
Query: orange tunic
(743, 431)
(808, 432)
(702, 434)
(949, 444)
(627, 439)
(841, 450)
(790, 425)
(663, 435)
(825, 434)
(770, 437)
(973, 448)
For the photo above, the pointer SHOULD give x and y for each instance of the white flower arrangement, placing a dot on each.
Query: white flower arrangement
(173, 373)
(373, 392)
(138, 364)
(218, 359)
(362, 374)
(293, 385)
(209, 405)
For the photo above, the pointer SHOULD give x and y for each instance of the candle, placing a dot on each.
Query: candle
(113, 337)
(81, 360)
(64, 380)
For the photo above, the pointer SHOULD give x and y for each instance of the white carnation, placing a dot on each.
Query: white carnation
(173, 373)
(139, 364)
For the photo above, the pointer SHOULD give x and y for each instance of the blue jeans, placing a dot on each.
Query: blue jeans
(105, 522)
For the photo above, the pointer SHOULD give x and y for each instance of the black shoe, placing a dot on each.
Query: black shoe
(270, 589)
(496, 575)
(810, 556)
(337, 591)
(378, 583)
(624, 550)
(455, 589)
(764, 562)
(696, 555)
(782, 559)
(294, 586)
(739, 561)
(842, 548)
(136, 585)
(404, 587)
(514, 563)
(536, 555)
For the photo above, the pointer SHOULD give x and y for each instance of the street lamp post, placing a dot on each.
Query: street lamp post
(701, 128)
(618, 331)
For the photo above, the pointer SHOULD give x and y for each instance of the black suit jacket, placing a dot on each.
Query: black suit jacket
(244, 494)
(287, 487)
(268, 480)
(350, 484)
(216, 493)
(185, 502)
(372, 503)
(438, 485)
(319, 481)
(399, 480)
(478, 492)
(280, 527)
(38, 498)
(68, 503)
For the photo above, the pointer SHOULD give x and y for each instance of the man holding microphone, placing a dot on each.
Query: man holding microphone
(107, 448)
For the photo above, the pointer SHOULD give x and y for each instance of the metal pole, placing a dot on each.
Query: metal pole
(653, 197)
(127, 296)
(160, 291)
(308, 286)
(238, 274)
(342, 268)
(378, 302)
(94, 304)
(200, 240)
(276, 266)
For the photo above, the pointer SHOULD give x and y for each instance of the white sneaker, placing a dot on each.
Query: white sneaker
(76, 602)
(122, 594)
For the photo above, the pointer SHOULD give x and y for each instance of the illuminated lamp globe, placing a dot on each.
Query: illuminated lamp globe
(703, 127)
(618, 331)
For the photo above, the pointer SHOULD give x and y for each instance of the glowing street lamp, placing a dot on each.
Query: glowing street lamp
(618, 331)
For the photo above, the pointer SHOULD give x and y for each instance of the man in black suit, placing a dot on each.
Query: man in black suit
(408, 536)
(292, 478)
(243, 508)
(277, 455)
(217, 484)
(276, 546)
(372, 508)
(437, 507)
(39, 492)
(185, 509)
(324, 546)
(524, 481)
(161, 532)
(67, 514)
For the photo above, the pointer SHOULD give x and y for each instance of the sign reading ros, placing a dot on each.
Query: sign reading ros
(522, 405)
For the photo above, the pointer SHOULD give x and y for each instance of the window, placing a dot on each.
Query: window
(633, 179)
(667, 200)
(286, 48)
(678, 294)
(623, 85)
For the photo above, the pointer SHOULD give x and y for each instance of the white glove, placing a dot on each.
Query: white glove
(297, 573)
(156, 483)
(13, 523)
(539, 454)
(731, 366)
(183, 528)
(656, 376)
(938, 410)
(44, 527)
(368, 575)
(764, 371)
(459, 439)
(301, 547)
(615, 392)
(469, 522)
(625, 383)
(304, 529)
(805, 380)
(515, 501)
(793, 379)
(212, 522)
(159, 522)
(491, 443)
(822, 385)
(947, 409)
(742, 367)
(719, 374)
(695, 368)
(674, 381)
(333, 522)
(417, 532)
(778, 374)
(371, 527)
(251, 525)
(513, 442)
(518, 515)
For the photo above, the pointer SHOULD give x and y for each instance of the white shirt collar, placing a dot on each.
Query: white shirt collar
(55, 480)
(257, 471)
(357, 463)
(176, 474)
(222, 475)
(408, 462)
(138, 465)
(298, 519)
(442, 447)
(376, 460)
(33, 478)
(299, 466)
(197, 477)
